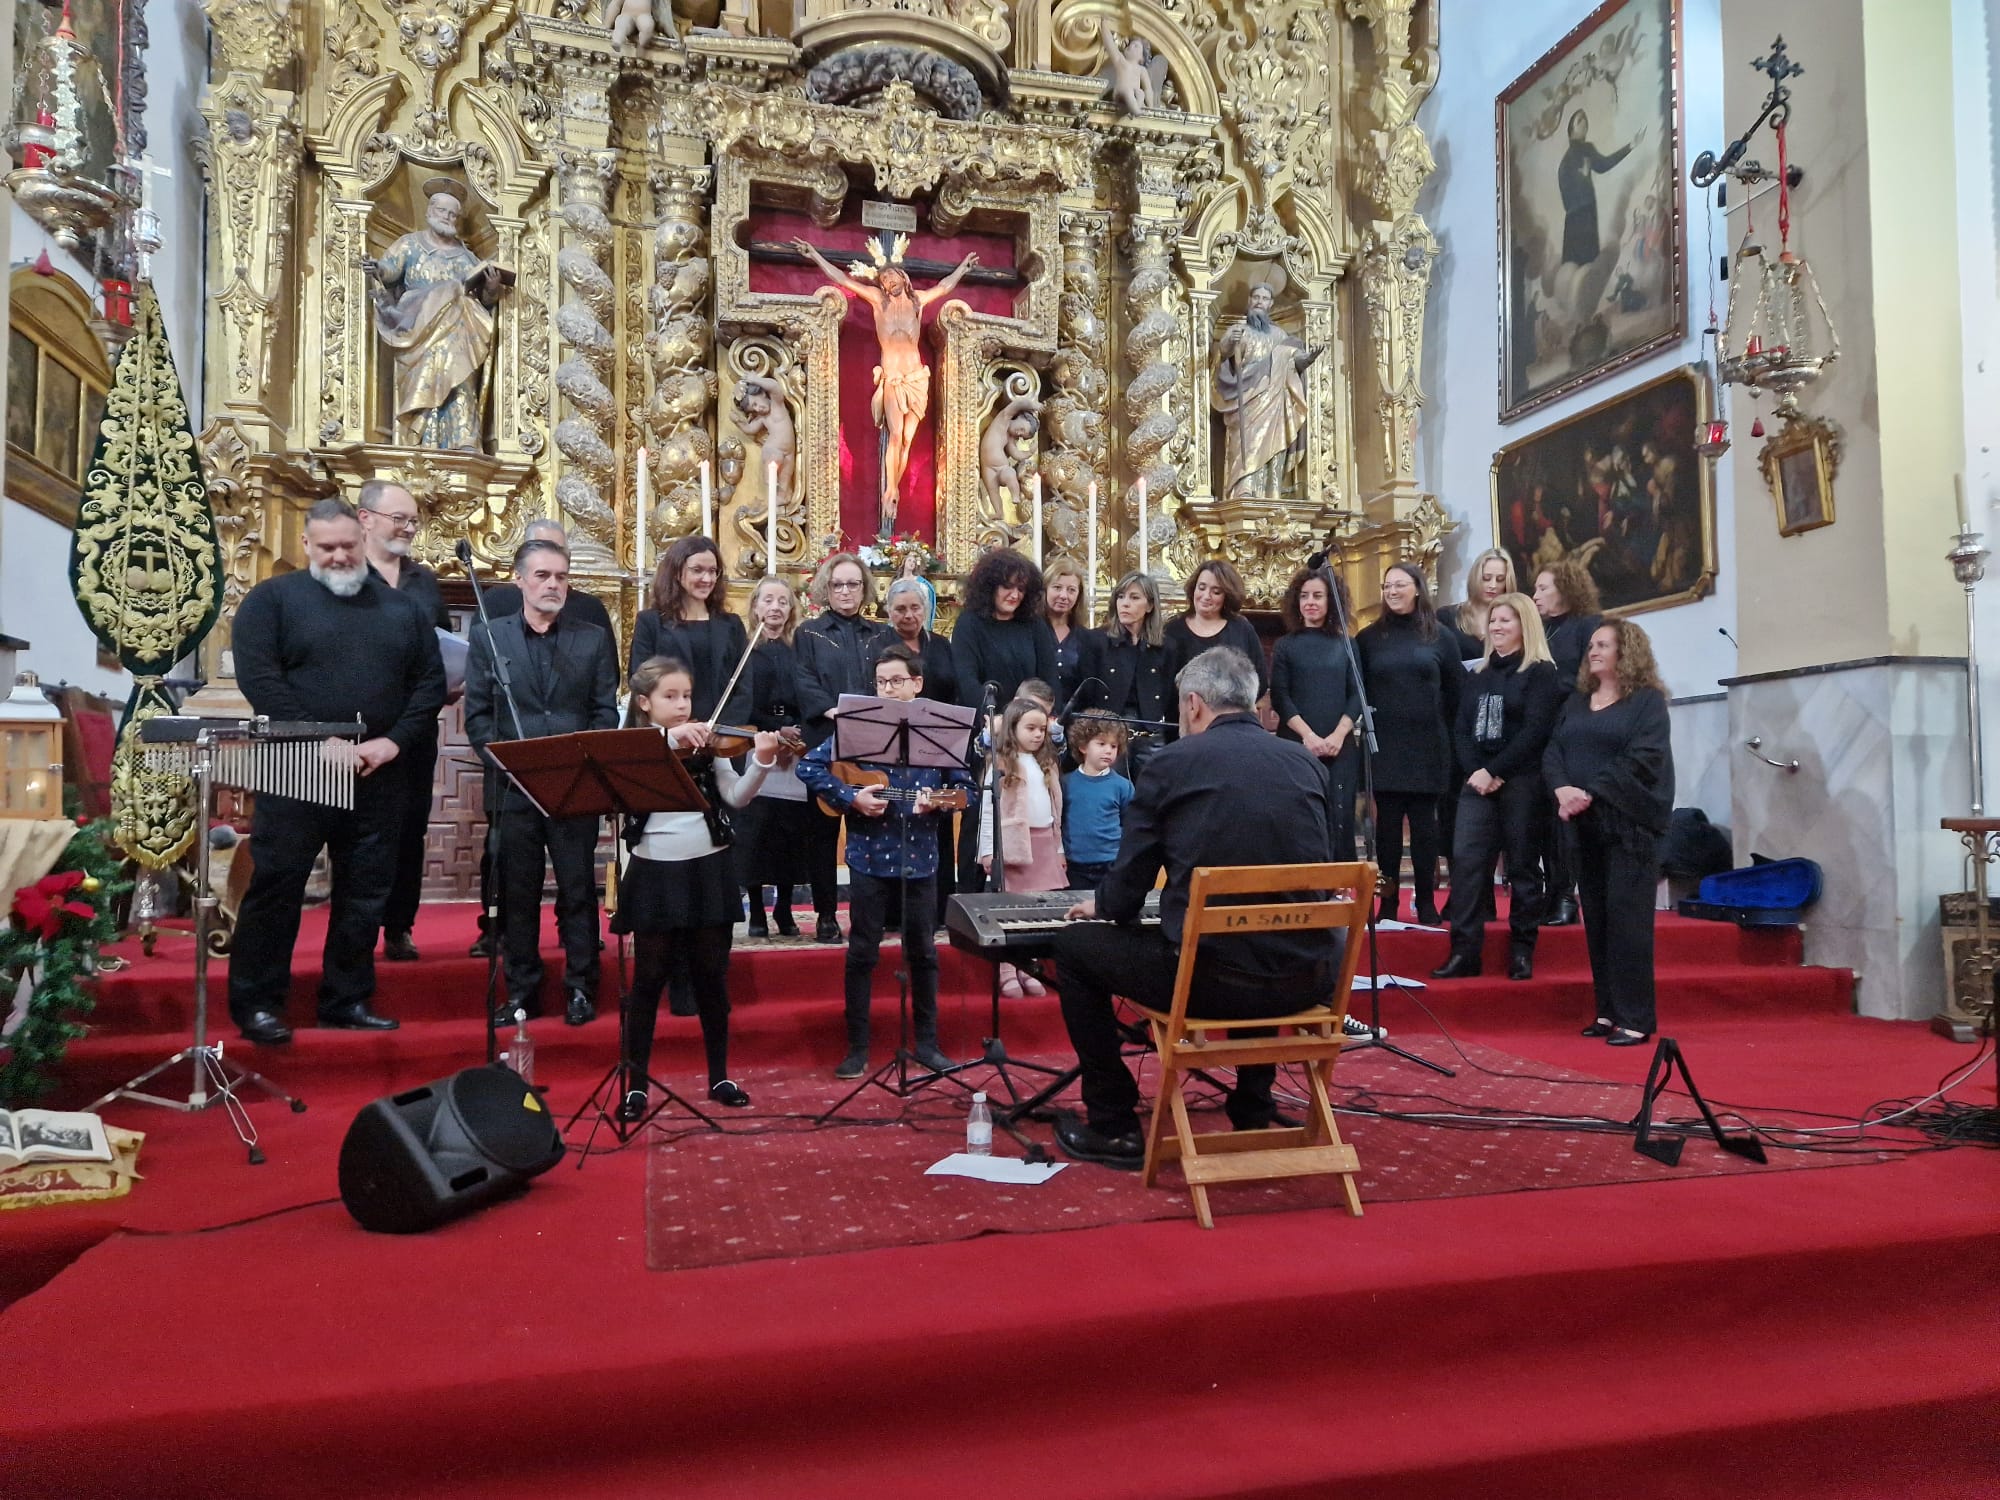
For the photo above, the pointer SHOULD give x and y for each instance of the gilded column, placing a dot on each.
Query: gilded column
(680, 374)
(1156, 400)
(1074, 414)
(583, 437)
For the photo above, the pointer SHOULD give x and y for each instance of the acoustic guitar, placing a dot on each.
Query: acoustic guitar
(942, 799)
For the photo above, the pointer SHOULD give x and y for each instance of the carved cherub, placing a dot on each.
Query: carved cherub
(634, 23)
(1138, 74)
(761, 413)
(1007, 454)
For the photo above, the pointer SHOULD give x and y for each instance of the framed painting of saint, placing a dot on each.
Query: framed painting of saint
(1589, 144)
(1621, 489)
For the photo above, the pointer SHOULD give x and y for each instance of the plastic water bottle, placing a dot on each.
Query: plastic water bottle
(519, 1052)
(979, 1128)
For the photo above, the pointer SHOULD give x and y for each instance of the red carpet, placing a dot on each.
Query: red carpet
(1759, 1333)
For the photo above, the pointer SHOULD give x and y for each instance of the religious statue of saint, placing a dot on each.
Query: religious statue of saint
(434, 302)
(1260, 391)
(902, 383)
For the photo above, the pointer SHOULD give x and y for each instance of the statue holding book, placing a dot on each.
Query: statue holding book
(434, 301)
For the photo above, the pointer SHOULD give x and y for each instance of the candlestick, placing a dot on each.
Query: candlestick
(771, 516)
(707, 503)
(1958, 490)
(1142, 523)
(1035, 484)
(644, 493)
(1090, 557)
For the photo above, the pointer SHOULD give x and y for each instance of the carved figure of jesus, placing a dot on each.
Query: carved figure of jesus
(902, 381)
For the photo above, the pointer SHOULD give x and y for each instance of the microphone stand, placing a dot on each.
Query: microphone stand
(496, 847)
(1366, 729)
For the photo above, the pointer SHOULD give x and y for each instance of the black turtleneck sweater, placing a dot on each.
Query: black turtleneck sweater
(1505, 716)
(1413, 686)
(1005, 652)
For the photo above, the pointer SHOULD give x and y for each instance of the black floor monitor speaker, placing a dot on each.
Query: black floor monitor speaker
(424, 1157)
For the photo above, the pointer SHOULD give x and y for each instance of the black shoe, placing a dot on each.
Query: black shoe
(1458, 966)
(1277, 1119)
(756, 928)
(1520, 966)
(1427, 916)
(487, 946)
(1125, 1152)
(398, 949)
(632, 1108)
(729, 1093)
(265, 1028)
(854, 1064)
(1598, 1028)
(786, 926)
(1562, 914)
(827, 930)
(504, 1014)
(926, 1055)
(1624, 1038)
(579, 1011)
(356, 1017)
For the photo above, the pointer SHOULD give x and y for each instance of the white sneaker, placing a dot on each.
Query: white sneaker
(1355, 1029)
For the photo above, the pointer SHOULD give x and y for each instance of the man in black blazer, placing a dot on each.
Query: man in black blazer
(565, 679)
(1227, 792)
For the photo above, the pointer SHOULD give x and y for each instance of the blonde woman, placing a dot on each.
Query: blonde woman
(836, 652)
(1490, 577)
(1505, 714)
(775, 827)
(1079, 649)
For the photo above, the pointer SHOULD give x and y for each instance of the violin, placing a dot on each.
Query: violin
(731, 740)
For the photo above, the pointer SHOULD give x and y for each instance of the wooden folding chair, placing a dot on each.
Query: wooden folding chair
(1324, 896)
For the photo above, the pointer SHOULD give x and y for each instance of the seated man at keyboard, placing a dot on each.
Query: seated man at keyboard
(1226, 793)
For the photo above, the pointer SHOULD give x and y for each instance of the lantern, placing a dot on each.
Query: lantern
(30, 753)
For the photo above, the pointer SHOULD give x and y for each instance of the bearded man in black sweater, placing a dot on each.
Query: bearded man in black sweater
(333, 642)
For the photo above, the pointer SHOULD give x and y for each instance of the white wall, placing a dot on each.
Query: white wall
(1485, 46)
(1975, 56)
(35, 600)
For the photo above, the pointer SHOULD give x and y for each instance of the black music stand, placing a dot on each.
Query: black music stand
(891, 732)
(599, 773)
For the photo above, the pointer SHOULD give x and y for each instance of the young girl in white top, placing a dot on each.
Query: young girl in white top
(1030, 817)
(680, 891)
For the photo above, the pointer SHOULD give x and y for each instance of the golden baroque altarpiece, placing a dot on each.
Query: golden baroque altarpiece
(1149, 161)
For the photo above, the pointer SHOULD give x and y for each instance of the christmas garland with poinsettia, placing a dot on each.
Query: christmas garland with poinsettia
(51, 939)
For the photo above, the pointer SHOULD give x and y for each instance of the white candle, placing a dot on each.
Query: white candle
(1142, 523)
(1035, 484)
(1958, 489)
(771, 516)
(644, 508)
(1090, 556)
(707, 503)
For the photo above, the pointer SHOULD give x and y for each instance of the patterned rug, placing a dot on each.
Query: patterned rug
(777, 1184)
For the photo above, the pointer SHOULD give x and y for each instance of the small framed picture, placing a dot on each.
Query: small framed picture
(1799, 464)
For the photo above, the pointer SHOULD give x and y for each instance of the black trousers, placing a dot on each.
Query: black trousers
(1559, 863)
(823, 863)
(703, 952)
(1341, 774)
(1616, 885)
(1095, 962)
(286, 836)
(570, 845)
(406, 891)
(1508, 822)
(1419, 809)
(868, 901)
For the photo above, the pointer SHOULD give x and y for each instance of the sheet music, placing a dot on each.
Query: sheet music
(872, 729)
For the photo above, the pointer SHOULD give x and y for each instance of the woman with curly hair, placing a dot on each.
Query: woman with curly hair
(1000, 638)
(1610, 764)
(1566, 599)
(1214, 617)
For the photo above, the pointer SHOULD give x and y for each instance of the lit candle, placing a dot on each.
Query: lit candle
(707, 502)
(1035, 484)
(639, 544)
(1142, 523)
(1958, 489)
(771, 516)
(1090, 556)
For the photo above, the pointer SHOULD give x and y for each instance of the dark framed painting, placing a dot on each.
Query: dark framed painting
(1799, 463)
(1591, 227)
(1621, 489)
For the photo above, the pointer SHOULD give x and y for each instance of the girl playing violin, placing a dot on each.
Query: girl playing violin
(679, 895)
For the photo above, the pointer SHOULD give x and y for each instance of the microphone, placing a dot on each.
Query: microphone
(463, 551)
(1723, 631)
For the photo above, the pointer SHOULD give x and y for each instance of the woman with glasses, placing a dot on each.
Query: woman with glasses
(836, 650)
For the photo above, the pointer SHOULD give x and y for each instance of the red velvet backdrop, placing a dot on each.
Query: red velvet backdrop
(860, 440)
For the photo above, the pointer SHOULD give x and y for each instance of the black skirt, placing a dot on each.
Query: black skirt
(662, 895)
(771, 836)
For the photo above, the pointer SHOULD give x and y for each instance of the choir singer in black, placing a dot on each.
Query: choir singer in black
(565, 679)
(331, 642)
(1225, 793)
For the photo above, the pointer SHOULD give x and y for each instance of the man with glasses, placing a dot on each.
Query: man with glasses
(389, 521)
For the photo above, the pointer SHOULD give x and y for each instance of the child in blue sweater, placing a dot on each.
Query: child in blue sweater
(1094, 799)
